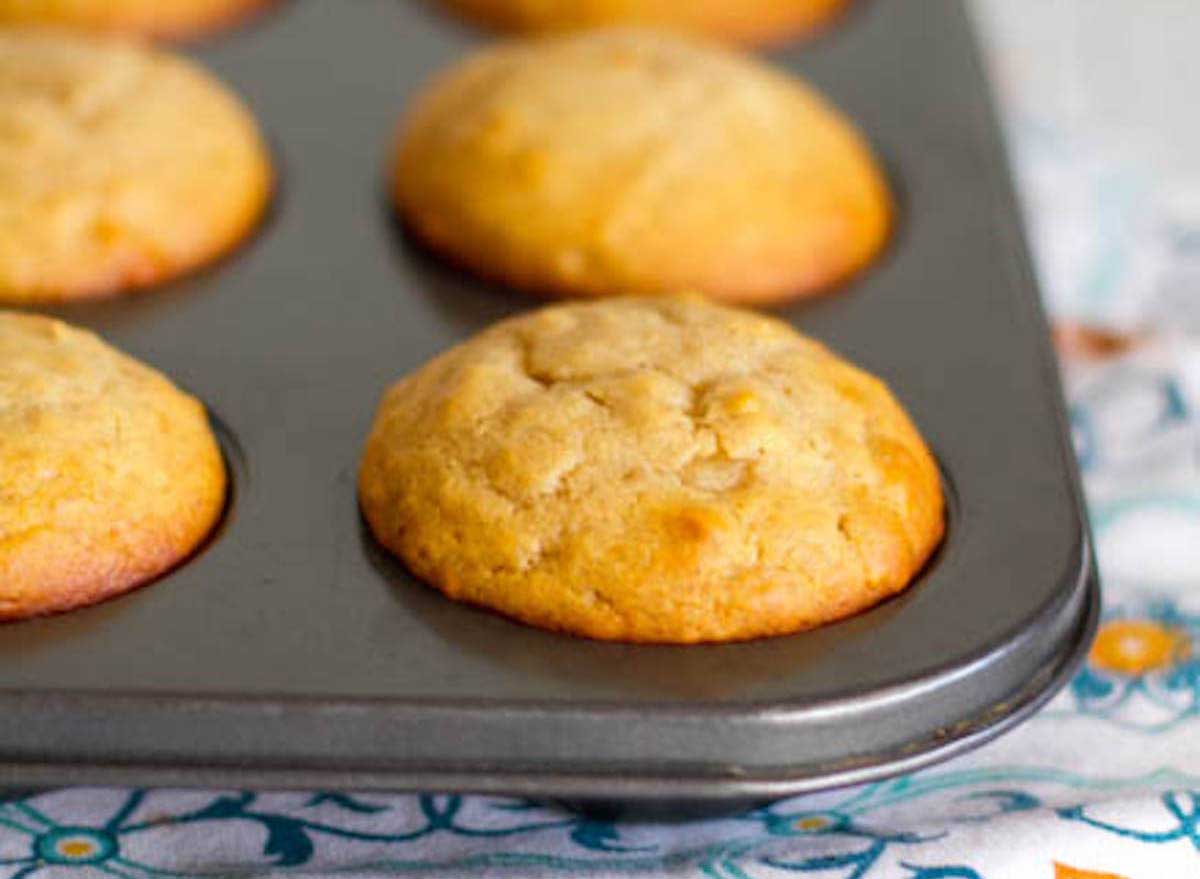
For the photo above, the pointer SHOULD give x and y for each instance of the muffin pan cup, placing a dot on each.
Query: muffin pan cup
(292, 651)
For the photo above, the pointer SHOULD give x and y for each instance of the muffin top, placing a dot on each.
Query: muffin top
(120, 166)
(752, 21)
(657, 470)
(171, 19)
(109, 475)
(632, 161)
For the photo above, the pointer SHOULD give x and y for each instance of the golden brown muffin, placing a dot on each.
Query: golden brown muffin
(169, 19)
(636, 162)
(120, 166)
(109, 475)
(752, 21)
(655, 470)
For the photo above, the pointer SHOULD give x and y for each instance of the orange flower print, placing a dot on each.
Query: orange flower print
(1081, 342)
(1062, 871)
(1135, 647)
(1143, 670)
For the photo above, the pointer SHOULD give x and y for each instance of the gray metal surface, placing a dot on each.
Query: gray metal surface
(292, 651)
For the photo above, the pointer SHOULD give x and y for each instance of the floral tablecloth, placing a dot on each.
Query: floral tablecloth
(1105, 782)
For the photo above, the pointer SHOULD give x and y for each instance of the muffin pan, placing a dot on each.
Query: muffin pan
(292, 651)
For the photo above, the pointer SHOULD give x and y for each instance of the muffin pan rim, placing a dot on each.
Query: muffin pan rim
(689, 786)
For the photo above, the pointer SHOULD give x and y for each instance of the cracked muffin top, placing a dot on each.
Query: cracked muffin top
(120, 166)
(652, 470)
(109, 474)
(630, 161)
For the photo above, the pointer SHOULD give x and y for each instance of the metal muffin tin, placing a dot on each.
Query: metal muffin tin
(292, 651)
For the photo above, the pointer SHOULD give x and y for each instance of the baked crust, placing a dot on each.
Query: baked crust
(109, 475)
(747, 21)
(653, 470)
(636, 162)
(120, 167)
(160, 19)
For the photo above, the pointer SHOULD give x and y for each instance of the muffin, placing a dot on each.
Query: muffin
(753, 21)
(636, 162)
(109, 475)
(120, 167)
(169, 19)
(652, 470)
